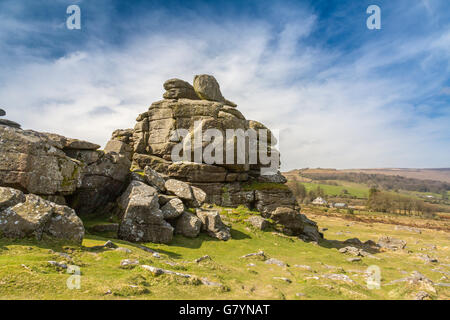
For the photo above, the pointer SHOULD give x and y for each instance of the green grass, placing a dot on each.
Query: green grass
(25, 273)
(356, 190)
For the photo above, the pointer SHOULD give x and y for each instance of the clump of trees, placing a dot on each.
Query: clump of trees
(300, 192)
(397, 204)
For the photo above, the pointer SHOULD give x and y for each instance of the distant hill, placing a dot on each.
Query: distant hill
(442, 174)
(420, 180)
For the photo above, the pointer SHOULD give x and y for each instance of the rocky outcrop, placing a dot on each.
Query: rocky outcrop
(149, 176)
(26, 216)
(54, 166)
(157, 136)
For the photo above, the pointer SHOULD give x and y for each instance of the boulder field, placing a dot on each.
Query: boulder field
(48, 181)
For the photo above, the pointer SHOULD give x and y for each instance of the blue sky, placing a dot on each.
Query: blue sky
(341, 95)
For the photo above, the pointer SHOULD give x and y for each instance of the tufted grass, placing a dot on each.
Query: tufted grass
(26, 274)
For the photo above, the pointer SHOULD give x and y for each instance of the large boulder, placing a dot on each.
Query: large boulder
(213, 225)
(142, 219)
(207, 88)
(35, 163)
(2, 113)
(25, 216)
(188, 225)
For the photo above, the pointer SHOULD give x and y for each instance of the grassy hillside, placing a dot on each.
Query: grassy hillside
(26, 274)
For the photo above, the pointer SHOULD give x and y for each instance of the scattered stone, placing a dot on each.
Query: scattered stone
(156, 255)
(258, 222)
(324, 229)
(146, 249)
(129, 262)
(205, 257)
(64, 255)
(389, 243)
(301, 266)
(427, 258)
(416, 279)
(251, 265)
(206, 282)
(276, 262)
(338, 277)
(124, 250)
(406, 228)
(109, 244)
(159, 271)
(422, 295)
(442, 284)
(256, 254)
(283, 279)
(354, 251)
(61, 265)
(299, 294)
(354, 259)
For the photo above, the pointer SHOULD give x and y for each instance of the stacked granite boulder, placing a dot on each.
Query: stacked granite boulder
(155, 136)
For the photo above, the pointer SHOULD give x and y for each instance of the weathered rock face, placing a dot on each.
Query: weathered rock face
(103, 178)
(55, 166)
(142, 219)
(25, 216)
(35, 162)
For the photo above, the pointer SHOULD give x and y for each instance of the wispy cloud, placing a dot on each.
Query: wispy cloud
(373, 105)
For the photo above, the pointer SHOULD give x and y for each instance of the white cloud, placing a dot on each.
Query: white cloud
(331, 114)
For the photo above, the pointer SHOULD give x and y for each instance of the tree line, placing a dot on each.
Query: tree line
(382, 181)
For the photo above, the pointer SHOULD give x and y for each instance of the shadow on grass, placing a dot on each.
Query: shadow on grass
(368, 246)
